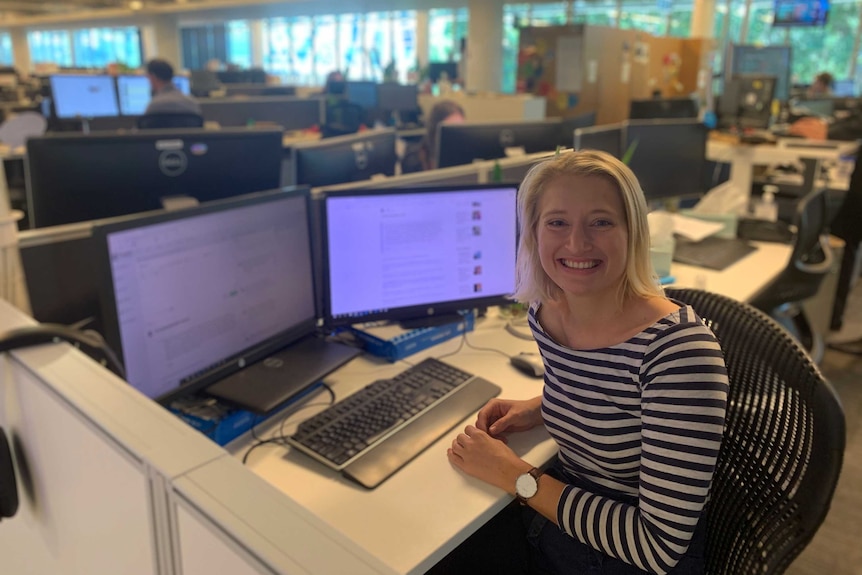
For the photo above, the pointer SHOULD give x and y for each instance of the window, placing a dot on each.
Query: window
(596, 12)
(239, 43)
(446, 28)
(6, 57)
(229, 43)
(50, 46)
(650, 17)
(98, 47)
(516, 16)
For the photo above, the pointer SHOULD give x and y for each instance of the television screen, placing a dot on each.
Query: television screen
(800, 12)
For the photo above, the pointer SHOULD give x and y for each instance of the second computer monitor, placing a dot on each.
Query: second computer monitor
(83, 96)
(607, 138)
(78, 177)
(747, 102)
(462, 143)
(417, 253)
(393, 97)
(667, 156)
(134, 93)
(662, 108)
(345, 158)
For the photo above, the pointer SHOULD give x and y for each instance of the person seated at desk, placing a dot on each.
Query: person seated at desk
(822, 85)
(635, 394)
(167, 98)
(443, 112)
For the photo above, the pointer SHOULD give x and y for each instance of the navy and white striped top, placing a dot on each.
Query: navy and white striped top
(644, 419)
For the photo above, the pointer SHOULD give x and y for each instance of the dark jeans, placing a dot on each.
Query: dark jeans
(519, 541)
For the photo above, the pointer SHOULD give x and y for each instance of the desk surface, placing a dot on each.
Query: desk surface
(438, 506)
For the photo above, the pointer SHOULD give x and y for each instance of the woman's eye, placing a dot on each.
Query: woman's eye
(556, 223)
(602, 223)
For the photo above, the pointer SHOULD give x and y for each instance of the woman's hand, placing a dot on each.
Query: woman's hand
(501, 416)
(490, 460)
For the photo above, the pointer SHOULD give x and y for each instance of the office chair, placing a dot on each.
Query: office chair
(342, 118)
(783, 442)
(810, 261)
(157, 121)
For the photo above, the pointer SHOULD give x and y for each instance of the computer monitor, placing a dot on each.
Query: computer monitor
(747, 102)
(134, 93)
(289, 112)
(657, 108)
(392, 97)
(183, 84)
(192, 296)
(417, 253)
(462, 143)
(667, 156)
(751, 60)
(363, 93)
(823, 107)
(607, 138)
(84, 96)
(569, 125)
(258, 90)
(79, 177)
(436, 69)
(844, 88)
(345, 159)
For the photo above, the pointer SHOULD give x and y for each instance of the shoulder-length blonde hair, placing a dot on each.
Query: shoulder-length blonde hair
(533, 284)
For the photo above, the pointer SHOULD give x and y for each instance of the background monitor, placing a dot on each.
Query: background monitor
(747, 102)
(134, 93)
(462, 143)
(569, 125)
(750, 60)
(824, 107)
(607, 138)
(800, 12)
(78, 177)
(362, 93)
(436, 70)
(183, 84)
(345, 159)
(392, 97)
(656, 108)
(844, 88)
(289, 112)
(84, 96)
(403, 254)
(191, 295)
(668, 156)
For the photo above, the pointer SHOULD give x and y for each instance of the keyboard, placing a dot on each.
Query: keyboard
(764, 231)
(712, 252)
(371, 434)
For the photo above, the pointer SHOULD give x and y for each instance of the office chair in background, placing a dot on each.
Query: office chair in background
(810, 261)
(342, 117)
(159, 121)
(783, 442)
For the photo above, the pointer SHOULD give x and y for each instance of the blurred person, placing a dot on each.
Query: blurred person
(167, 98)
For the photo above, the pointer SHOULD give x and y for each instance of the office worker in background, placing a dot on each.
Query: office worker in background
(635, 394)
(443, 112)
(167, 99)
(822, 85)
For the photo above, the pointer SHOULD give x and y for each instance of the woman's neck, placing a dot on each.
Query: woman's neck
(586, 312)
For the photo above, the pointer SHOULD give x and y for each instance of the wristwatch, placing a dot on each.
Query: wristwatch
(527, 485)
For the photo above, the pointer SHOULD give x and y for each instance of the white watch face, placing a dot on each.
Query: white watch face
(526, 486)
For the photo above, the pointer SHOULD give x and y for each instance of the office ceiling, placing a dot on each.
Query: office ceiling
(59, 7)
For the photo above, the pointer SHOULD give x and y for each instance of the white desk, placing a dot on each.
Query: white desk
(426, 509)
(743, 280)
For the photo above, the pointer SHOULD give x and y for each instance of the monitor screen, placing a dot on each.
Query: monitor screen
(569, 125)
(462, 143)
(197, 293)
(747, 102)
(607, 138)
(84, 96)
(183, 84)
(800, 12)
(417, 253)
(844, 88)
(134, 93)
(345, 158)
(750, 60)
(662, 108)
(363, 93)
(437, 69)
(667, 156)
(78, 177)
(397, 97)
(289, 112)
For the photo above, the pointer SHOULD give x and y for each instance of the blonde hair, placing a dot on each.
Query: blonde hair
(533, 284)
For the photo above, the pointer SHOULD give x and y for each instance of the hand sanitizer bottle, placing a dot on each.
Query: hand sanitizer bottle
(766, 208)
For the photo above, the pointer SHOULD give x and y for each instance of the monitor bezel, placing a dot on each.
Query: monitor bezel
(262, 349)
(552, 124)
(324, 143)
(110, 79)
(413, 311)
(619, 127)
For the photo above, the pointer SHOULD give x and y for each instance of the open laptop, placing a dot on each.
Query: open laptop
(218, 297)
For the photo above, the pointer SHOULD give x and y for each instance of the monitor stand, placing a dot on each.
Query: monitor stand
(430, 321)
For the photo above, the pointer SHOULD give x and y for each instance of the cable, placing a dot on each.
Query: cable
(513, 330)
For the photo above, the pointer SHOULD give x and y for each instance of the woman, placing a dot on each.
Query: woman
(635, 387)
(444, 112)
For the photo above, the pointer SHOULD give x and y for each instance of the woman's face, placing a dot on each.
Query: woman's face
(454, 118)
(582, 234)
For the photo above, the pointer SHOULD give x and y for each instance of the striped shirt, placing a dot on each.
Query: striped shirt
(642, 419)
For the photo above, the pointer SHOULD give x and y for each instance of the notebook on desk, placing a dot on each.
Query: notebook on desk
(712, 252)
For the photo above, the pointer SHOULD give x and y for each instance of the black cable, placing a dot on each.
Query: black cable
(495, 350)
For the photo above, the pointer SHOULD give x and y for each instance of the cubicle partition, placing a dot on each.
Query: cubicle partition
(289, 112)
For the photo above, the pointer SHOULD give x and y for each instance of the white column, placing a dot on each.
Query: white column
(703, 19)
(422, 49)
(256, 33)
(161, 39)
(484, 46)
(20, 49)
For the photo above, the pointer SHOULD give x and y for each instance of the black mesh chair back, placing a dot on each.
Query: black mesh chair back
(159, 121)
(342, 118)
(811, 259)
(783, 442)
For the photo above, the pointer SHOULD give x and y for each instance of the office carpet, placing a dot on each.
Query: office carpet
(837, 546)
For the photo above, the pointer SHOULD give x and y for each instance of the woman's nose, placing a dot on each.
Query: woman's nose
(578, 237)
